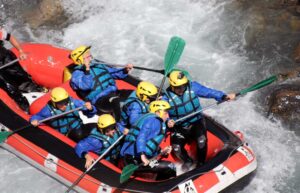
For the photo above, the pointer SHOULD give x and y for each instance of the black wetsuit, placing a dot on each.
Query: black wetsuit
(14, 80)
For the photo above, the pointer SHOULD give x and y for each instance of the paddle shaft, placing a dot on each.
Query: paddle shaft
(95, 162)
(49, 118)
(9, 63)
(130, 171)
(137, 67)
(205, 108)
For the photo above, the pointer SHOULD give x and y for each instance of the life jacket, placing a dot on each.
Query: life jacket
(67, 122)
(102, 80)
(131, 99)
(3, 53)
(107, 142)
(152, 145)
(184, 105)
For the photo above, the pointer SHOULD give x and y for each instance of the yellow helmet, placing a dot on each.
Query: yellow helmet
(177, 78)
(146, 90)
(59, 94)
(159, 105)
(106, 121)
(76, 55)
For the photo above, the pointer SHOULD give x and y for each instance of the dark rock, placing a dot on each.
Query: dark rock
(284, 103)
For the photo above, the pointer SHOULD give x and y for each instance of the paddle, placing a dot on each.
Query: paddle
(174, 51)
(5, 134)
(9, 63)
(136, 67)
(131, 168)
(99, 158)
(254, 87)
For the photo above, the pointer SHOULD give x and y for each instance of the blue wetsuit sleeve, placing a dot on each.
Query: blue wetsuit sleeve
(81, 81)
(117, 73)
(202, 91)
(42, 114)
(86, 145)
(146, 133)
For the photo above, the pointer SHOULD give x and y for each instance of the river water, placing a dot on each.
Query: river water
(217, 54)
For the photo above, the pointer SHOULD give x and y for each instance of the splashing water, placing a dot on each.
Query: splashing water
(138, 31)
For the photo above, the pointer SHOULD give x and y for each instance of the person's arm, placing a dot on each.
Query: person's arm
(202, 91)
(119, 73)
(84, 146)
(17, 45)
(87, 144)
(42, 114)
(89, 110)
(81, 81)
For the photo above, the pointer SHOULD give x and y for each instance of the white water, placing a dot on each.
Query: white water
(138, 31)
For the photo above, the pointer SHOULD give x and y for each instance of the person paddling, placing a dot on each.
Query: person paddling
(137, 104)
(70, 124)
(182, 95)
(143, 140)
(100, 138)
(95, 82)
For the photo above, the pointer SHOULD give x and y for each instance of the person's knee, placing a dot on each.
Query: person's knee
(77, 135)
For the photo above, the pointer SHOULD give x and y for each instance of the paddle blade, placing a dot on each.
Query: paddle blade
(259, 85)
(127, 172)
(173, 53)
(4, 135)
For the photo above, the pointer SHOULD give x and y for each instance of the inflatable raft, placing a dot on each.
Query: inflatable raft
(229, 158)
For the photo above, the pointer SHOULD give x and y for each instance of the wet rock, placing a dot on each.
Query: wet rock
(46, 12)
(284, 103)
(296, 54)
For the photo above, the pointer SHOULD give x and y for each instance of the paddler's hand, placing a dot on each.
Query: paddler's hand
(144, 159)
(89, 160)
(126, 131)
(167, 150)
(171, 123)
(88, 105)
(35, 123)
(230, 97)
(23, 55)
(128, 67)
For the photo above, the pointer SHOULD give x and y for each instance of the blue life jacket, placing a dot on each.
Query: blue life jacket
(66, 123)
(152, 145)
(184, 105)
(107, 142)
(102, 80)
(131, 99)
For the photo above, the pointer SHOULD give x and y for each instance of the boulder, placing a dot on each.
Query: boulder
(46, 12)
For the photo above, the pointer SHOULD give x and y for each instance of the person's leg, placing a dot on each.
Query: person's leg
(200, 133)
(14, 93)
(81, 133)
(164, 170)
(17, 76)
(178, 141)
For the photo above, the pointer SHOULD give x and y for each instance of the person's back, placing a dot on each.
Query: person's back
(137, 103)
